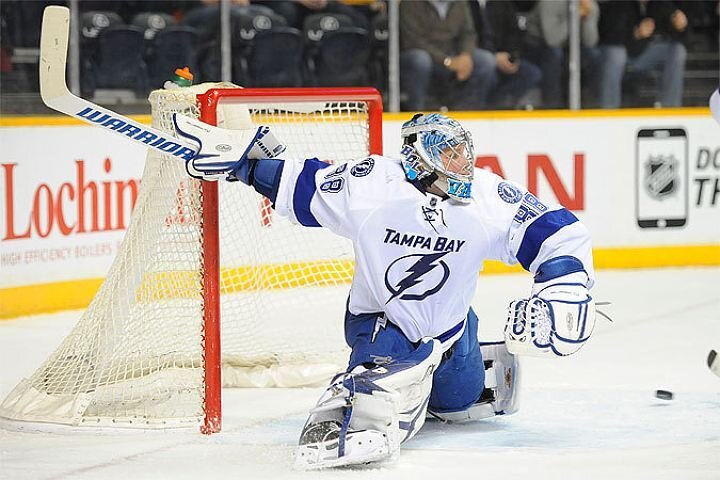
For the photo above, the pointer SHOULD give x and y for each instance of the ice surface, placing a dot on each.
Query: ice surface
(590, 416)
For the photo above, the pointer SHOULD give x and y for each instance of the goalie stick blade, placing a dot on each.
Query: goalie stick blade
(53, 53)
(713, 362)
(56, 95)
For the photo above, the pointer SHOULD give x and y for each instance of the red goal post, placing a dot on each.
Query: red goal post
(209, 102)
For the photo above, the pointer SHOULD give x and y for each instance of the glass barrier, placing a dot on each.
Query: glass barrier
(501, 54)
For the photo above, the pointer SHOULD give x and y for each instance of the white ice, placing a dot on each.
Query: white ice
(590, 416)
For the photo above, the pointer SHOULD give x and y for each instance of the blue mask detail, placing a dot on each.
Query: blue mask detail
(410, 172)
(458, 188)
(411, 164)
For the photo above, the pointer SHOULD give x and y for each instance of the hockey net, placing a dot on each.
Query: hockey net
(145, 353)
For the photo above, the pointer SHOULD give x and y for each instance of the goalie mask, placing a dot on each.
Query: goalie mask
(438, 150)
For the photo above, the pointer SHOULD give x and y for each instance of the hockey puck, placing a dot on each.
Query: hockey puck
(664, 394)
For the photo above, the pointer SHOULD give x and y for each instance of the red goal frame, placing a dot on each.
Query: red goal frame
(209, 102)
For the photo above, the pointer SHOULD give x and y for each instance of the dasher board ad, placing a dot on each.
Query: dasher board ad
(68, 194)
(636, 181)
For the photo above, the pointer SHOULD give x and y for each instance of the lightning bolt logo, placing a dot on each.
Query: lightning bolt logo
(416, 274)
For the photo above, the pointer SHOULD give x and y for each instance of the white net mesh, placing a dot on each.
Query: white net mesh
(135, 358)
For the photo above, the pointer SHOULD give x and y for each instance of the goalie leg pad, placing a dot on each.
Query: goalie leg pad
(366, 414)
(502, 377)
(502, 384)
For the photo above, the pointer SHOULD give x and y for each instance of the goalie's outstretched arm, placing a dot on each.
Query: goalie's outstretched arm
(549, 241)
(307, 191)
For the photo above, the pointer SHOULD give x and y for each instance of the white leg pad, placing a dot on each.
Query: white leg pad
(502, 376)
(365, 415)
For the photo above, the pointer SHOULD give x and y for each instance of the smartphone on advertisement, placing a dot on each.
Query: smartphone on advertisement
(661, 178)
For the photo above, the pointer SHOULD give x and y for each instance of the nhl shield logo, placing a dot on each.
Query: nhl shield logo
(661, 176)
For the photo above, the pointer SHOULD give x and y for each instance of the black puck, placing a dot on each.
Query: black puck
(664, 394)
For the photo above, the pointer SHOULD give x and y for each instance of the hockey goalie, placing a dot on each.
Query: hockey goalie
(421, 226)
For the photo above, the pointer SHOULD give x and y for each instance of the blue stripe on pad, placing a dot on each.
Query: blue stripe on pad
(540, 230)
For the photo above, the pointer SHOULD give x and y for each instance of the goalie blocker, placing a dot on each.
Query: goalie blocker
(226, 154)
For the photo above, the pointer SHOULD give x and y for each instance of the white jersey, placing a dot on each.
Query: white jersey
(417, 256)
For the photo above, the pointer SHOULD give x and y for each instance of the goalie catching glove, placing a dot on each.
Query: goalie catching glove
(223, 153)
(559, 316)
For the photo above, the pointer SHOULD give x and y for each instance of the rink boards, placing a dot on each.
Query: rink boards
(646, 183)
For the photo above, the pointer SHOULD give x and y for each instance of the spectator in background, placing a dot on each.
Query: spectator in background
(496, 24)
(548, 28)
(438, 47)
(642, 36)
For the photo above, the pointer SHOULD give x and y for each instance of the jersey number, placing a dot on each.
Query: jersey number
(332, 186)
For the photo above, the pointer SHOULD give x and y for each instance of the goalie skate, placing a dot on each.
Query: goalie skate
(320, 447)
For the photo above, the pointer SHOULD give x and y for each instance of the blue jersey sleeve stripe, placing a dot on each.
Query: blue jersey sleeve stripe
(305, 189)
(540, 230)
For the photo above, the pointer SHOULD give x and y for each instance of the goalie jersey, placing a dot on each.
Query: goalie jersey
(417, 255)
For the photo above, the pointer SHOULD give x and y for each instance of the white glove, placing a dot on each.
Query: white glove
(557, 319)
(225, 153)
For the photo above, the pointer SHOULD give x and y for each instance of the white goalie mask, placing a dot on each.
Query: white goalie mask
(438, 150)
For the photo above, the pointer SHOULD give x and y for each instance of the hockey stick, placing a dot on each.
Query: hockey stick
(55, 94)
(714, 104)
(713, 362)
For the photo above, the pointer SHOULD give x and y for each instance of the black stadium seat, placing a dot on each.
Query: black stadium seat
(337, 52)
(91, 24)
(266, 52)
(171, 48)
(317, 25)
(206, 22)
(174, 48)
(246, 26)
(275, 59)
(120, 63)
(342, 58)
(153, 22)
